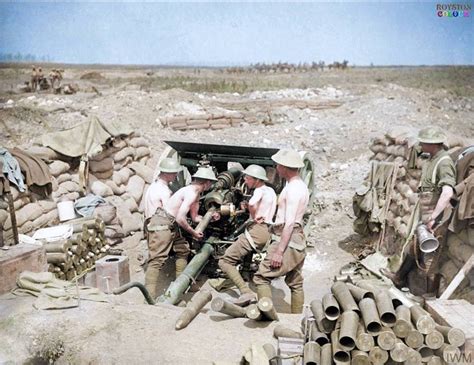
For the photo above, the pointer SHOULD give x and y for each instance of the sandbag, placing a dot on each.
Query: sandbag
(44, 153)
(128, 222)
(29, 212)
(448, 271)
(143, 160)
(117, 190)
(122, 163)
(62, 178)
(143, 171)
(107, 152)
(105, 165)
(47, 205)
(58, 167)
(124, 153)
(101, 189)
(104, 175)
(121, 177)
(457, 249)
(21, 202)
(47, 219)
(130, 203)
(107, 212)
(135, 187)
(67, 197)
(3, 216)
(138, 142)
(142, 152)
(114, 231)
(380, 156)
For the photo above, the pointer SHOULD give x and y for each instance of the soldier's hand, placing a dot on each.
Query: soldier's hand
(430, 225)
(216, 216)
(276, 260)
(259, 220)
(198, 235)
(244, 205)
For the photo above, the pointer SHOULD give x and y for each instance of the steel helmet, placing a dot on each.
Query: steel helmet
(288, 158)
(205, 173)
(256, 171)
(432, 135)
(169, 165)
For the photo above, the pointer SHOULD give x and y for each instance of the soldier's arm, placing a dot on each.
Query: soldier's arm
(443, 201)
(182, 214)
(194, 212)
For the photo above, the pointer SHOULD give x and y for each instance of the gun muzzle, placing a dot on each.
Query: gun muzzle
(427, 241)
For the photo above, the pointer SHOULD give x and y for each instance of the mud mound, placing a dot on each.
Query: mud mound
(93, 75)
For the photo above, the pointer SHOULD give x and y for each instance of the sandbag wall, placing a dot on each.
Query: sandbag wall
(69, 258)
(120, 174)
(395, 146)
(207, 121)
(364, 324)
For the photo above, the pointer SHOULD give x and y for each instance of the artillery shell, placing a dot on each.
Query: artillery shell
(435, 360)
(434, 340)
(425, 353)
(413, 358)
(399, 353)
(220, 305)
(453, 336)
(422, 320)
(267, 309)
(344, 297)
(403, 322)
(370, 316)
(385, 309)
(62, 246)
(324, 324)
(364, 341)
(57, 258)
(331, 307)
(193, 308)
(282, 331)
(414, 339)
(386, 339)
(271, 353)
(253, 312)
(448, 352)
(396, 302)
(326, 354)
(311, 353)
(359, 358)
(338, 353)
(348, 332)
(377, 356)
(360, 293)
(320, 338)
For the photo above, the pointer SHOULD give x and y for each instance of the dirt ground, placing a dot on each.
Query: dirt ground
(374, 100)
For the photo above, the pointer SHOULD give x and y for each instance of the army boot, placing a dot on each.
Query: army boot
(432, 286)
(398, 278)
(297, 301)
(247, 295)
(151, 281)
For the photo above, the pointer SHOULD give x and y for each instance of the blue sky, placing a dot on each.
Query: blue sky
(227, 33)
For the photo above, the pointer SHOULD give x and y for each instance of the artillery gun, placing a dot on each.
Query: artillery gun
(225, 197)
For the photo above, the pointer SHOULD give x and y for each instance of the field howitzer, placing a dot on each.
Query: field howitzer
(221, 199)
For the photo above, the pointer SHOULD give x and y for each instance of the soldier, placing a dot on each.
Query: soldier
(159, 192)
(438, 179)
(286, 253)
(34, 79)
(257, 234)
(164, 226)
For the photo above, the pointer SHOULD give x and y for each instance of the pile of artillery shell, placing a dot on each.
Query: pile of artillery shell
(70, 257)
(354, 325)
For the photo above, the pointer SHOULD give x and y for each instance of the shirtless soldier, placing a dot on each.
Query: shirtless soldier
(159, 192)
(286, 254)
(163, 228)
(257, 234)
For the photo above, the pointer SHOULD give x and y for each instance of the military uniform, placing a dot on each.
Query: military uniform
(163, 234)
(292, 264)
(438, 172)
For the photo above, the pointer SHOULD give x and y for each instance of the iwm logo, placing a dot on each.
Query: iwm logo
(458, 358)
(453, 10)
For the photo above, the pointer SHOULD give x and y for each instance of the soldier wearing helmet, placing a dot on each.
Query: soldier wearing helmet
(287, 252)
(163, 227)
(435, 190)
(261, 206)
(34, 79)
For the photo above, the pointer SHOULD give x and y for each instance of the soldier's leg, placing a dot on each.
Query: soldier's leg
(294, 280)
(399, 277)
(159, 246)
(231, 258)
(182, 250)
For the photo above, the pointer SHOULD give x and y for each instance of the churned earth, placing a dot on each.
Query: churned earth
(373, 100)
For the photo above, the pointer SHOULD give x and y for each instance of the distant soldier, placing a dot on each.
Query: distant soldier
(164, 227)
(287, 251)
(438, 179)
(34, 79)
(257, 234)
